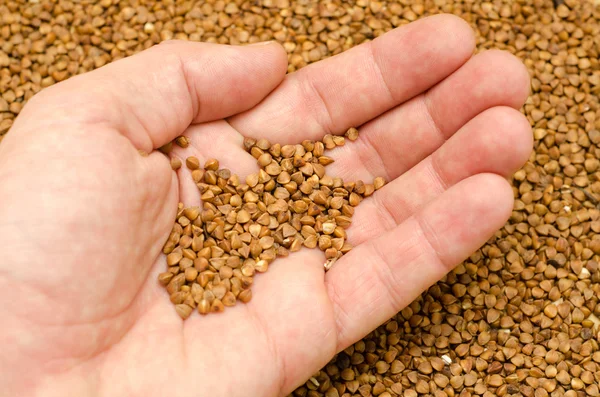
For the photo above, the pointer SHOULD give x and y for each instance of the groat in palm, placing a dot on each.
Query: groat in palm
(83, 216)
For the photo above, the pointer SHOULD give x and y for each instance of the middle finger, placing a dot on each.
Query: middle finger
(399, 139)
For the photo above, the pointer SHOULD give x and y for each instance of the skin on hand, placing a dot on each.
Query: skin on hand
(83, 216)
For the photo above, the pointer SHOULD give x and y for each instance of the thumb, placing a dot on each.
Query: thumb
(153, 96)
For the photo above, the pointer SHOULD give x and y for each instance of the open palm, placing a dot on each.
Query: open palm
(83, 215)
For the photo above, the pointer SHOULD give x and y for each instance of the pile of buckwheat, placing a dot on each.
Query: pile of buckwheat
(213, 252)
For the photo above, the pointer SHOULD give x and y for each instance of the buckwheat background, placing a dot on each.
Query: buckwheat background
(521, 316)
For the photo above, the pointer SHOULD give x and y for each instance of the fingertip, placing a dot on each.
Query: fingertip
(511, 74)
(508, 141)
(271, 45)
(275, 54)
(266, 66)
(467, 215)
(459, 35)
(486, 204)
(490, 200)
(518, 137)
(502, 202)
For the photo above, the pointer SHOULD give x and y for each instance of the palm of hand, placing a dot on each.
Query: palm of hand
(79, 285)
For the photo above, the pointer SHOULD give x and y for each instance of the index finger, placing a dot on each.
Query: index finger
(351, 88)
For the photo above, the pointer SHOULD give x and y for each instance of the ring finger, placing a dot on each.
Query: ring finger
(497, 141)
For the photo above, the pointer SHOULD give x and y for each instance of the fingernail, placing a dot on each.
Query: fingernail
(261, 43)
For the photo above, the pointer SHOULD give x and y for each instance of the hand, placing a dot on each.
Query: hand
(83, 215)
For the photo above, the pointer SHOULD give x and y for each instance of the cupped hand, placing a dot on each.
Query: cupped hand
(83, 216)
